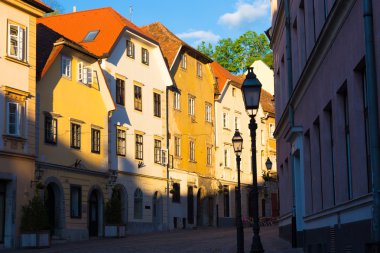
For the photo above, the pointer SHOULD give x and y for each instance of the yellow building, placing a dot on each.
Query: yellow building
(17, 105)
(74, 105)
(191, 130)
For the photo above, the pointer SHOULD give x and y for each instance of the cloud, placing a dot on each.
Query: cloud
(196, 37)
(246, 12)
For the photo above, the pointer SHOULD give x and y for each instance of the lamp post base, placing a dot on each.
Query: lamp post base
(256, 247)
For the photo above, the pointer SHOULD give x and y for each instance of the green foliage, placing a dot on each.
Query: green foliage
(34, 216)
(237, 55)
(55, 5)
(113, 209)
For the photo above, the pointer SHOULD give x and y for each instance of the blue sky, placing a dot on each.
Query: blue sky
(193, 21)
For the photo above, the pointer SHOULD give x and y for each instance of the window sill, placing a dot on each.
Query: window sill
(227, 129)
(121, 155)
(9, 58)
(14, 138)
(227, 168)
(95, 152)
(75, 148)
(51, 143)
(191, 161)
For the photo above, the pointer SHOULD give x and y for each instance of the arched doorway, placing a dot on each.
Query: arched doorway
(122, 194)
(201, 207)
(53, 198)
(157, 217)
(95, 213)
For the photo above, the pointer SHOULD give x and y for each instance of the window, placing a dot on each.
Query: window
(138, 204)
(120, 85)
(50, 130)
(139, 147)
(75, 135)
(84, 73)
(177, 144)
(130, 49)
(227, 158)
(138, 98)
(75, 201)
(157, 104)
(157, 151)
(121, 142)
(237, 122)
(13, 122)
(271, 130)
(192, 151)
(233, 92)
(177, 101)
(16, 42)
(209, 156)
(262, 137)
(91, 36)
(66, 66)
(176, 198)
(208, 112)
(184, 61)
(225, 120)
(191, 105)
(226, 197)
(95, 140)
(199, 69)
(145, 56)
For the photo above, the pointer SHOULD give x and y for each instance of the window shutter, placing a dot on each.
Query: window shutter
(85, 74)
(89, 75)
(20, 43)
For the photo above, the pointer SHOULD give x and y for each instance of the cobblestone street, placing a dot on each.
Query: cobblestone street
(209, 240)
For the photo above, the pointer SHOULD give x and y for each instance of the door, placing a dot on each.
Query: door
(93, 214)
(157, 212)
(275, 212)
(190, 205)
(50, 206)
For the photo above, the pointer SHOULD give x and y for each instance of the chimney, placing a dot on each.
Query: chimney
(74, 8)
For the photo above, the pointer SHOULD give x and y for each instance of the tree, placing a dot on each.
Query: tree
(237, 55)
(57, 7)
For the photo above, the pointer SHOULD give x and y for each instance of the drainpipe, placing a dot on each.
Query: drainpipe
(373, 117)
(291, 114)
(168, 163)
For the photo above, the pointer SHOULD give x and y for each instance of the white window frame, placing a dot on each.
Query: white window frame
(208, 155)
(192, 151)
(191, 104)
(20, 52)
(130, 49)
(66, 66)
(208, 112)
(145, 56)
(17, 119)
(199, 69)
(227, 158)
(85, 73)
(237, 122)
(177, 146)
(177, 101)
(225, 120)
(184, 61)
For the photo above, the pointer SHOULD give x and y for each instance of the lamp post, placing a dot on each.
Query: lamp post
(237, 142)
(251, 94)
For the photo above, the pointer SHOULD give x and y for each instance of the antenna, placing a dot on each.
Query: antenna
(130, 12)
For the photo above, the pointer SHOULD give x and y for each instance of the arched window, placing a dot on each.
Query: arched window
(138, 204)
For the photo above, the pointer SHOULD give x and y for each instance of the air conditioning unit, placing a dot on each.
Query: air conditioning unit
(164, 157)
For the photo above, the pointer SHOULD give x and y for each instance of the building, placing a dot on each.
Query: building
(230, 115)
(17, 105)
(73, 107)
(325, 62)
(137, 78)
(191, 131)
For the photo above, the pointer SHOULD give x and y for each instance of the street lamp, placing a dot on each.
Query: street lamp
(268, 164)
(237, 142)
(251, 89)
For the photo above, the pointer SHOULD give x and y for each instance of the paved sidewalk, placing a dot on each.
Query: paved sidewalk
(204, 240)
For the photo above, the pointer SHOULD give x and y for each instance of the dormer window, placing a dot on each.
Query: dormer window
(91, 36)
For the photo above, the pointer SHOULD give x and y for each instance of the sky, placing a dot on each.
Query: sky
(193, 21)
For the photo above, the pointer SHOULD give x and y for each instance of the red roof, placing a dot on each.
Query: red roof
(109, 24)
(170, 43)
(223, 75)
